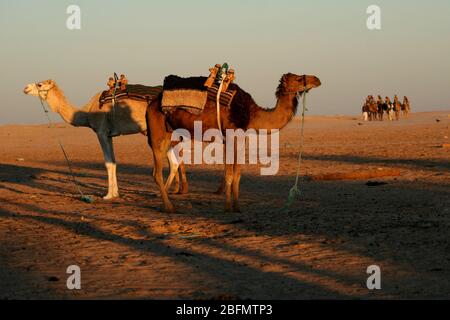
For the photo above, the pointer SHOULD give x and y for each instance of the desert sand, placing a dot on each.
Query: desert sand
(320, 248)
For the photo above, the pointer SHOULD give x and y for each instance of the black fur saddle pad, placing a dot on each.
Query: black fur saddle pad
(191, 94)
(133, 91)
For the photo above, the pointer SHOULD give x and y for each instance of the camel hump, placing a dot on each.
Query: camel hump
(174, 82)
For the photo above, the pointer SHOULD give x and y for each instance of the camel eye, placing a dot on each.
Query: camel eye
(39, 85)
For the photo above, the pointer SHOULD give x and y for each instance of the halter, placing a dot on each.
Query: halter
(305, 90)
(45, 91)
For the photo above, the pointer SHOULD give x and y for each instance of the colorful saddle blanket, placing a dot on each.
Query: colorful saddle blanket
(191, 94)
(133, 91)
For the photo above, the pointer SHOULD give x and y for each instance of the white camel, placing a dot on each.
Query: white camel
(128, 117)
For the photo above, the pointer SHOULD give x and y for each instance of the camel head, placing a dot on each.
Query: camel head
(39, 89)
(292, 83)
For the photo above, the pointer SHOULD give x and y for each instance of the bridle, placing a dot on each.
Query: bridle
(42, 99)
(44, 91)
(305, 90)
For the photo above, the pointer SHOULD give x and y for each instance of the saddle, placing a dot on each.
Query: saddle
(131, 91)
(191, 94)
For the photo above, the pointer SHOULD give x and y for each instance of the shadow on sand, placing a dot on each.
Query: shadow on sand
(402, 222)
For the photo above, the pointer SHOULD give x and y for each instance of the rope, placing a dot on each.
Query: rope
(116, 85)
(84, 198)
(295, 191)
(218, 102)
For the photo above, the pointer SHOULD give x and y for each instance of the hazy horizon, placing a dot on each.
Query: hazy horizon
(261, 40)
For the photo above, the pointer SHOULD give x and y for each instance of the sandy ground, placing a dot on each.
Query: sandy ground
(320, 248)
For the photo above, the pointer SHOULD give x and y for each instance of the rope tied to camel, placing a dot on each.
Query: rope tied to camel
(84, 197)
(220, 78)
(295, 191)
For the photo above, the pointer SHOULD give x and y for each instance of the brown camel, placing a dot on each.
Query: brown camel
(128, 118)
(243, 113)
(372, 107)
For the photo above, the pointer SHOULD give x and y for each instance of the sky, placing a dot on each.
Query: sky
(260, 39)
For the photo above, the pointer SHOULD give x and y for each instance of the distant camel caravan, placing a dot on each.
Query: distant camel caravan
(126, 116)
(374, 109)
(242, 113)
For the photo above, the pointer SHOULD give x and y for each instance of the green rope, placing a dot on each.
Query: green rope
(295, 191)
(85, 198)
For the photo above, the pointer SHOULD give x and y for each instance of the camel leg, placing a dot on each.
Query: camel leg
(222, 184)
(176, 187)
(228, 185)
(158, 157)
(159, 143)
(236, 180)
(184, 183)
(173, 165)
(110, 164)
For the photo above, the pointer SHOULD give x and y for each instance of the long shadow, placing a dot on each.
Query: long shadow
(38, 178)
(15, 284)
(122, 168)
(403, 222)
(227, 273)
(432, 165)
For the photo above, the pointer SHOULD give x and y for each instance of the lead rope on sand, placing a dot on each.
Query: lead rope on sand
(84, 198)
(295, 191)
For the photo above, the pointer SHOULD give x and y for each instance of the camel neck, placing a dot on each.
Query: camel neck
(278, 117)
(59, 103)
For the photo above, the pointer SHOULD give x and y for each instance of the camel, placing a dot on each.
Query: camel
(381, 107)
(397, 108)
(372, 106)
(128, 118)
(406, 107)
(243, 113)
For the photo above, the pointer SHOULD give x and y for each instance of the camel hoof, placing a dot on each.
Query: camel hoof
(170, 209)
(110, 196)
(237, 210)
